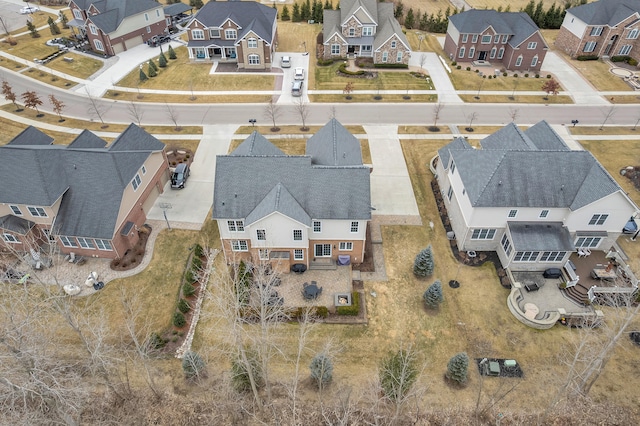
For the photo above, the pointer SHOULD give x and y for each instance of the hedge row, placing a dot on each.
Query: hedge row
(352, 310)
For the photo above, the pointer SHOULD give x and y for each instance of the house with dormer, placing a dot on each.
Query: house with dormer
(242, 32)
(364, 28)
(509, 40)
(86, 197)
(288, 209)
(113, 26)
(529, 198)
(601, 28)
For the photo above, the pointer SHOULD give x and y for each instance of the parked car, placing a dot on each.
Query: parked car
(285, 62)
(179, 176)
(29, 9)
(157, 40)
(296, 88)
(298, 74)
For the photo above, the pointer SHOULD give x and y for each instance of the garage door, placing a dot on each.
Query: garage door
(153, 196)
(133, 42)
(117, 48)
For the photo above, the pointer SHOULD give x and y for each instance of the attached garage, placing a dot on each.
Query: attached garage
(117, 48)
(151, 199)
(133, 42)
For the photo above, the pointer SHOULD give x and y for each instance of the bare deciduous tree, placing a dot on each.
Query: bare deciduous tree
(272, 112)
(136, 112)
(173, 115)
(96, 108)
(57, 106)
(513, 113)
(302, 108)
(437, 109)
(472, 117)
(607, 115)
(423, 60)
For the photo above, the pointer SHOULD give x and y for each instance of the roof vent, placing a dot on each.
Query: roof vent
(562, 188)
(344, 155)
(235, 195)
(499, 182)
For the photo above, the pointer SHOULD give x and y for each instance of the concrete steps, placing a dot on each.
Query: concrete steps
(322, 264)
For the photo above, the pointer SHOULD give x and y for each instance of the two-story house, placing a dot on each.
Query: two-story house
(364, 28)
(113, 26)
(87, 197)
(242, 32)
(510, 39)
(528, 197)
(289, 209)
(601, 28)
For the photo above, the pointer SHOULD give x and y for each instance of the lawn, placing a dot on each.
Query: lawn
(470, 80)
(81, 67)
(607, 130)
(29, 47)
(292, 129)
(45, 77)
(326, 79)
(372, 98)
(429, 41)
(185, 99)
(598, 74)
(517, 99)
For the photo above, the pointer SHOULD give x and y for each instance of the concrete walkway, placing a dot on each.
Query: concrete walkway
(579, 89)
(439, 76)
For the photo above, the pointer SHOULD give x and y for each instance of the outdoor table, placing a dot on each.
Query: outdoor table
(311, 291)
(603, 274)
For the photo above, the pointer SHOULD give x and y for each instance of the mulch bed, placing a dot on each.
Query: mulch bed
(184, 156)
(134, 255)
(633, 175)
(367, 264)
(504, 371)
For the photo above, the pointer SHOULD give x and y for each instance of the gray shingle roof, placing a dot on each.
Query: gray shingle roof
(330, 23)
(176, 9)
(545, 138)
(16, 224)
(86, 139)
(509, 137)
(516, 24)
(606, 12)
(279, 200)
(333, 145)
(458, 143)
(256, 144)
(136, 139)
(251, 16)
(350, 7)
(31, 136)
(388, 26)
(535, 236)
(113, 12)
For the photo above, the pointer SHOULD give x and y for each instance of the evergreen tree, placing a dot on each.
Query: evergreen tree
(321, 369)
(305, 11)
(432, 297)
(285, 14)
(398, 12)
(398, 373)
(143, 76)
(457, 368)
(162, 60)
(153, 65)
(423, 264)
(530, 8)
(417, 17)
(328, 5)
(152, 69)
(295, 16)
(32, 29)
(63, 19)
(424, 22)
(193, 365)
(538, 15)
(409, 20)
(318, 14)
(172, 53)
(196, 3)
(53, 27)
(240, 377)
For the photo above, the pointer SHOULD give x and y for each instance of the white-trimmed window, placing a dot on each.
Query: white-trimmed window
(465, 38)
(625, 50)
(98, 45)
(16, 210)
(86, 243)
(352, 32)
(399, 57)
(146, 17)
(472, 52)
(461, 54)
(158, 13)
(10, 238)
(214, 32)
(367, 31)
(354, 226)
(483, 234)
(200, 52)
(230, 34)
(512, 213)
(598, 219)
(544, 213)
(552, 256)
(297, 235)
(235, 225)
(519, 61)
(263, 254)
(596, 31)
(148, 29)
(532, 45)
(633, 34)
(534, 61)
(298, 254)
(68, 242)
(496, 39)
(346, 246)
(393, 44)
(253, 59)
(93, 29)
(365, 48)
(450, 193)
(590, 46)
(47, 233)
(335, 49)
(317, 226)
(239, 245)
(506, 244)
(501, 53)
(104, 245)
(385, 56)
(77, 14)
(526, 256)
(135, 182)
(452, 167)
(486, 39)
(37, 211)
(252, 43)
(474, 39)
(197, 35)
(493, 53)
(261, 234)
(505, 38)
(588, 242)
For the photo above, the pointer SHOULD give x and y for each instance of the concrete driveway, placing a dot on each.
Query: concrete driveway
(439, 76)
(298, 60)
(580, 90)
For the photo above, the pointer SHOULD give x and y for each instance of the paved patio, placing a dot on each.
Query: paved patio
(331, 281)
(549, 298)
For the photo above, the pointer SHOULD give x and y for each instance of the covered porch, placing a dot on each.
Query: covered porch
(360, 46)
(205, 50)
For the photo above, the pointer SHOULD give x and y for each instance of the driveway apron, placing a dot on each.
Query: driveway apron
(581, 91)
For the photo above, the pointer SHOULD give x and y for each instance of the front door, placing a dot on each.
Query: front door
(483, 55)
(322, 250)
(610, 45)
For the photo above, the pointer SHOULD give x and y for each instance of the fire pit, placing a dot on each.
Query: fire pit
(342, 299)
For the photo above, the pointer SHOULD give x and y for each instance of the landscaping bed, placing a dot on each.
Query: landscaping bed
(133, 256)
(176, 156)
(633, 174)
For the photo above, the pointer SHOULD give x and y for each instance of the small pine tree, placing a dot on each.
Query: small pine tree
(53, 27)
(410, 19)
(143, 76)
(285, 14)
(172, 53)
(183, 306)
(240, 376)
(153, 64)
(321, 369)
(433, 295)
(295, 16)
(196, 3)
(328, 5)
(179, 319)
(193, 365)
(63, 19)
(162, 60)
(398, 372)
(458, 367)
(188, 289)
(32, 29)
(423, 264)
(152, 69)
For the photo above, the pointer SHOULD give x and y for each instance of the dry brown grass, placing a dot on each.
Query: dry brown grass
(81, 67)
(185, 99)
(608, 130)
(370, 98)
(412, 130)
(470, 80)
(598, 74)
(45, 77)
(293, 130)
(559, 99)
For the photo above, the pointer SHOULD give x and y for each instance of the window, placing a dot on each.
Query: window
(354, 226)
(483, 234)
(200, 52)
(86, 243)
(506, 245)
(93, 29)
(197, 35)
(367, 31)
(98, 45)
(496, 39)
(589, 46)
(68, 242)
(298, 254)
(346, 246)
(261, 234)
(452, 167)
(148, 29)
(472, 51)
(322, 250)
(526, 256)
(144, 170)
(474, 39)
(335, 49)
(598, 219)
(493, 53)
(501, 53)
(230, 34)
(263, 254)
(297, 235)
(450, 193)
(519, 61)
(552, 256)
(158, 12)
(77, 14)
(47, 233)
(465, 38)
(385, 56)
(588, 242)
(512, 213)
(103, 245)
(239, 245)
(254, 59)
(633, 34)
(596, 31)
(146, 16)
(366, 48)
(534, 61)
(136, 182)
(352, 32)
(399, 57)
(252, 43)
(37, 211)
(214, 32)
(393, 44)
(505, 38)
(9, 238)
(16, 210)
(624, 50)
(235, 225)
(461, 54)
(317, 226)
(486, 39)
(532, 45)
(544, 213)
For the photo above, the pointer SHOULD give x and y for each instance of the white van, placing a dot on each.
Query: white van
(296, 88)
(285, 62)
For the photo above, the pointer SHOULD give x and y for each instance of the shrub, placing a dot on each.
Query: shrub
(433, 295)
(477, 71)
(183, 306)
(398, 372)
(633, 62)
(620, 58)
(179, 320)
(458, 367)
(325, 62)
(504, 74)
(458, 67)
(162, 60)
(189, 277)
(240, 377)
(388, 65)
(537, 75)
(548, 75)
(352, 310)
(587, 58)
(172, 53)
(423, 264)
(193, 365)
(188, 289)
(321, 369)
(196, 263)
(454, 63)
(526, 75)
(322, 311)
(343, 69)
(516, 75)
(198, 251)
(155, 341)
(468, 68)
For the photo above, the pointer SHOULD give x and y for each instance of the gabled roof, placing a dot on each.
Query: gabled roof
(546, 236)
(86, 139)
(545, 138)
(333, 145)
(331, 24)
(249, 15)
(458, 143)
(16, 224)
(388, 26)
(256, 144)
(516, 24)
(113, 12)
(176, 9)
(606, 12)
(279, 200)
(31, 136)
(135, 139)
(365, 11)
(509, 137)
